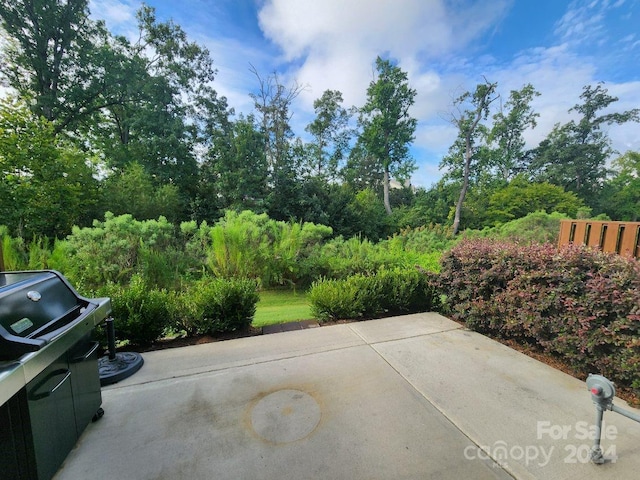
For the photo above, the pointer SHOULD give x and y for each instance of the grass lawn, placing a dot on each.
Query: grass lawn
(280, 306)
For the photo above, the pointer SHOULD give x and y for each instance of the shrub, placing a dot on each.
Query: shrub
(248, 245)
(406, 291)
(577, 303)
(141, 313)
(212, 305)
(341, 299)
(387, 292)
(116, 249)
(13, 251)
(536, 227)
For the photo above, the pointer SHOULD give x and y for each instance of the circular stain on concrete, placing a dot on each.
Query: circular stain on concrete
(285, 416)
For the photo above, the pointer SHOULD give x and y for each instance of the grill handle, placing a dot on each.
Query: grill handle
(39, 396)
(93, 346)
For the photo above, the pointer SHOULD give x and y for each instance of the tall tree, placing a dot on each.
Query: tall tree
(471, 109)
(168, 97)
(132, 191)
(272, 103)
(574, 155)
(362, 170)
(330, 134)
(130, 101)
(236, 167)
(46, 185)
(387, 127)
(621, 195)
(506, 135)
(58, 59)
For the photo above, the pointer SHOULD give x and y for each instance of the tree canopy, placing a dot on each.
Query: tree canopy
(387, 126)
(98, 122)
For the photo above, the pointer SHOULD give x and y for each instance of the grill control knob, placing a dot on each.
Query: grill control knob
(33, 295)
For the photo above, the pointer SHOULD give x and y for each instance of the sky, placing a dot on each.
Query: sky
(446, 47)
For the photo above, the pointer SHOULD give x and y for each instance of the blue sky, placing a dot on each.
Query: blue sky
(445, 46)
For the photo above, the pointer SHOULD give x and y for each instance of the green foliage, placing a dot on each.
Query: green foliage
(54, 58)
(330, 133)
(621, 193)
(114, 250)
(521, 197)
(46, 185)
(574, 154)
(368, 214)
(141, 312)
(131, 191)
(468, 156)
(247, 245)
(403, 291)
(578, 303)
(213, 305)
(506, 137)
(13, 251)
(340, 299)
(39, 253)
(235, 171)
(387, 127)
(340, 258)
(536, 227)
(388, 292)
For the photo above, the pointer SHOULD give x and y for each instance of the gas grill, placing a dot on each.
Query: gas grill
(49, 382)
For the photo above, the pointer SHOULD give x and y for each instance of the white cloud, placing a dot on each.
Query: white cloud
(334, 43)
(116, 13)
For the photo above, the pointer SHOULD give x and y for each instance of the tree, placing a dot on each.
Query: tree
(167, 102)
(330, 134)
(131, 191)
(621, 195)
(468, 123)
(369, 217)
(236, 167)
(273, 104)
(362, 169)
(140, 101)
(46, 184)
(58, 59)
(574, 155)
(506, 135)
(387, 127)
(522, 197)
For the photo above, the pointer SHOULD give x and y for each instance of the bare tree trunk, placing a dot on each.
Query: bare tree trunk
(465, 186)
(468, 123)
(385, 187)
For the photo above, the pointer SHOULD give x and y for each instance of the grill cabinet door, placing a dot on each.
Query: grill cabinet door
(85, 382)
(53, 424)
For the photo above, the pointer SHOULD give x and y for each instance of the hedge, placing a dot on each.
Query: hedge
(214, 305)
(144, 314)
(387, 292)
(577, 303)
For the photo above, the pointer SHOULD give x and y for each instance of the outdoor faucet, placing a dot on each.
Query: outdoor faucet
(602, 392)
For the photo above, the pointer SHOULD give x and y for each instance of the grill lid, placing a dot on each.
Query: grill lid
(35, 307)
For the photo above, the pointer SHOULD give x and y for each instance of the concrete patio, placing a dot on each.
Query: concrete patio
(409, 397)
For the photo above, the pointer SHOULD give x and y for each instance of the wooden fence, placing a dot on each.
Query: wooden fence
(622, 238)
